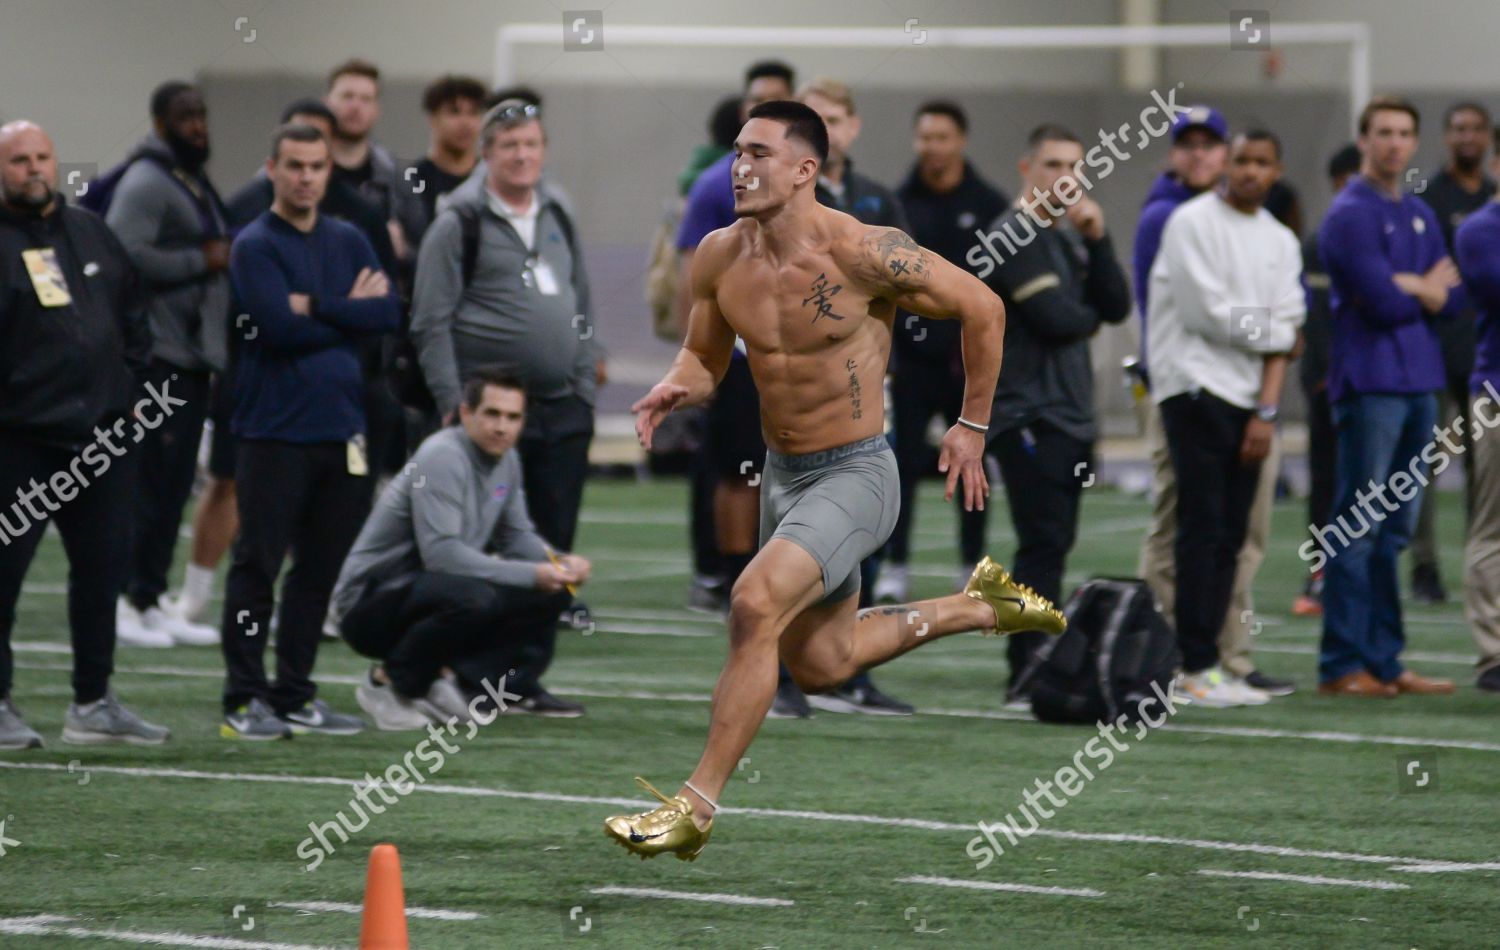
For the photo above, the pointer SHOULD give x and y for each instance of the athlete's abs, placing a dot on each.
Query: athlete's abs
(818, 348)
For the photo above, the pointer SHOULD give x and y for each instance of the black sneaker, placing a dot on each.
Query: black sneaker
(1426, 586)
(861, 699)
(789, 703)
(317, 717)
(1489, 680)
(543, 703)
(1270, 684)
(577, 616)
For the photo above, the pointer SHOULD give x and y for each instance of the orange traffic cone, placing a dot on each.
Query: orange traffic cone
(384, 924)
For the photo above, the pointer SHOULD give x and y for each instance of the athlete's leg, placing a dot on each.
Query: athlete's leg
(828, 643)
(780, 582)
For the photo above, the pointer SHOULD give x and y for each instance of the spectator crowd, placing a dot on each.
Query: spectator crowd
(395, 370)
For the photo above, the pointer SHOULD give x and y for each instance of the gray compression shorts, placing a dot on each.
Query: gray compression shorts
(838, 505)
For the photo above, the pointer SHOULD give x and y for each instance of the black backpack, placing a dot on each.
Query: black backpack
(403, 369)
(1104, 665)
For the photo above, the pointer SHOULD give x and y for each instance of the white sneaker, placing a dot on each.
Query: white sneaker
(893, 584)
(444, 702)
(390, 712)
(184, 607)
(178, 630)
(1209, 688)
(131, 630)
(1249, 695)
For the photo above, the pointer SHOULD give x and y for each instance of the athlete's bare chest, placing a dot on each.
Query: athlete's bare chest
(796, 307)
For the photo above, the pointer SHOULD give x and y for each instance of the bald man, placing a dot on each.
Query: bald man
(73, 342)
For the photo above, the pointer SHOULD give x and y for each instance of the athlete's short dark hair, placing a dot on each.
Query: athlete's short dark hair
(772, 69)
(945, 107)
(801, 123)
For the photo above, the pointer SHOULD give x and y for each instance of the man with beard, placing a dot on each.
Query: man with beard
(354, 97)
(167, 214)
(1456, 192)
(73, 344)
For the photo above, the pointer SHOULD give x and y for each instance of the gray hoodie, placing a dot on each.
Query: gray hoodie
(502, 319)
(451, 510)
(159, 224)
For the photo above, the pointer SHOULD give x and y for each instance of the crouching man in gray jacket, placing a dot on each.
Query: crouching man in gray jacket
(449, 585)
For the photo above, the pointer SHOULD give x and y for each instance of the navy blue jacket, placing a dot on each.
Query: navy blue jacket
(1383, 341)
(299, 377)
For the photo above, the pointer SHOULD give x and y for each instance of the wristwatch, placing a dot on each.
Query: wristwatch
(1266, 413)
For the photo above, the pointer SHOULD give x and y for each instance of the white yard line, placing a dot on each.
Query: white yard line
(1239, 732)
(921, 824)
(1307, 879)
(44, 925)
(335, 907)
(737, 899)
(1000, 886)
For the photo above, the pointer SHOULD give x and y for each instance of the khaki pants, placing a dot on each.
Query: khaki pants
(1482, 552)
(1157, 566)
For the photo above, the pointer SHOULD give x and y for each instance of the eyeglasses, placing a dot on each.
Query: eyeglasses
(516, 112)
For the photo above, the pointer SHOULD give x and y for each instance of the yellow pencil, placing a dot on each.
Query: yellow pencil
(557, 562)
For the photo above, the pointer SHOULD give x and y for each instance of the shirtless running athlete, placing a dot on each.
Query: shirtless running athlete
(812, 293)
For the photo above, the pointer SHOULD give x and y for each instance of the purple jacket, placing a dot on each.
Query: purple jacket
(1477, 247)
(1382, 340)
(1165, 195)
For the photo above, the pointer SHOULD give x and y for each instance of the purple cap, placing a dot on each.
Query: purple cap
(1201, 117)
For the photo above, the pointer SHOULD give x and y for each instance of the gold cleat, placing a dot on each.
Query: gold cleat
(665, 830)
(1017, 607)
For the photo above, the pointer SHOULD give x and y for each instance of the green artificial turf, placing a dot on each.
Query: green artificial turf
(177, 854)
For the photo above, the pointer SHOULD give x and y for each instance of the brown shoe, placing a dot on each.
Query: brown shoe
(1409, 682)
(1358, 683)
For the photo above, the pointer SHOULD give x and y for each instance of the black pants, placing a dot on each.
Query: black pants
(555, 460)
(168, 458)
(95, 527)
(1214, 493)
(1043, 468)
(297, 498)
(918, 391)
(479, 629)
(1322, 458)
(702, 479)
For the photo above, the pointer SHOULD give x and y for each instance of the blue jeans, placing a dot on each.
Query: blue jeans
(1378, 436)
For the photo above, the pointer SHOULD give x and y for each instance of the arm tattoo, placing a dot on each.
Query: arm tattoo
(821, 297)
(893, 262)
(856, 394)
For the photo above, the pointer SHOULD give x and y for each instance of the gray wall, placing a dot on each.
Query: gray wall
(621, 122)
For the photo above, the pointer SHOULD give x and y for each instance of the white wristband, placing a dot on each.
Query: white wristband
(972, 425)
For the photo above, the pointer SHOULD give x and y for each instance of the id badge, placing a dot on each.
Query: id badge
(355, 455)
(47, 276)
(546, 280)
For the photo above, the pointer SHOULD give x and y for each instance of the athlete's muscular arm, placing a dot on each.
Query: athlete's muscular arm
(893, 266)
(704, 357)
